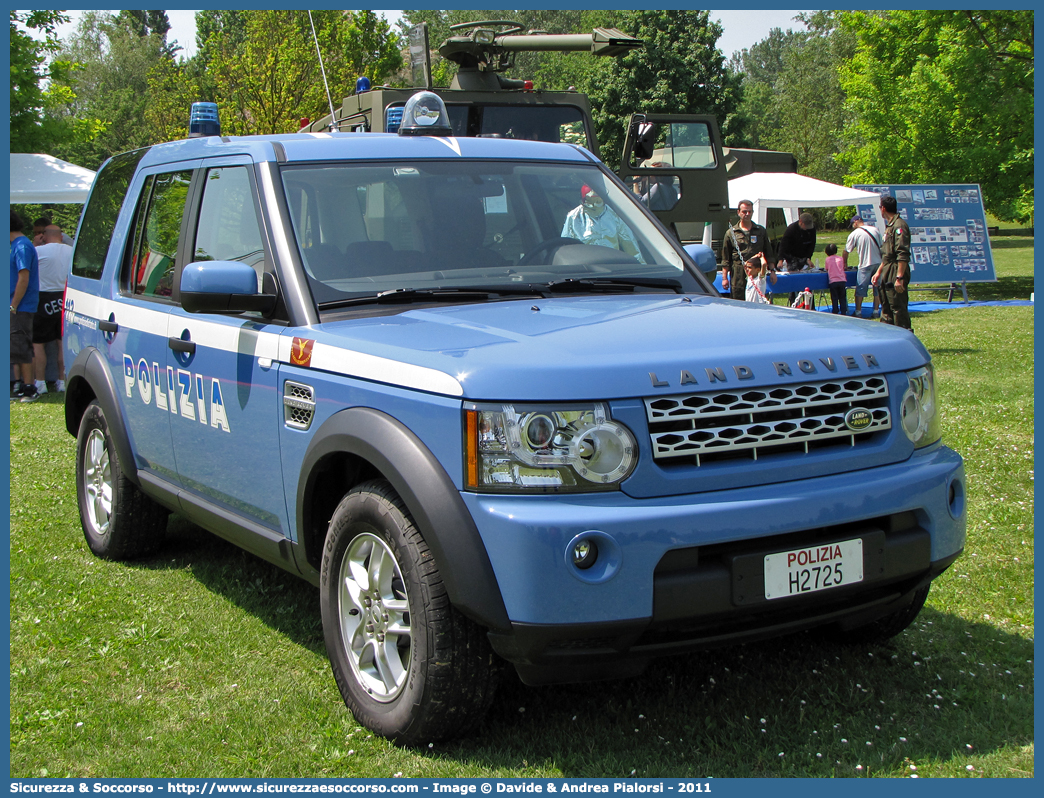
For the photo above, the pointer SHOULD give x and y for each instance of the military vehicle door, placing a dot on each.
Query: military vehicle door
(675, 164)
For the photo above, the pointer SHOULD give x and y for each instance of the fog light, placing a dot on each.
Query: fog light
(585, 552)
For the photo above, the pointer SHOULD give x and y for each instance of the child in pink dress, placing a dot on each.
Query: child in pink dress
(835, 269)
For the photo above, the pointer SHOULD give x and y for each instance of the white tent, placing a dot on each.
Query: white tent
(44, 178)
(791, 191)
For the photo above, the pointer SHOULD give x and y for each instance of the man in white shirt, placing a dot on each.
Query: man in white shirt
(865, 240)
(594, 222)
(55, 261)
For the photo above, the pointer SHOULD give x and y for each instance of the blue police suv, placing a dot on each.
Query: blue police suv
(475, 392)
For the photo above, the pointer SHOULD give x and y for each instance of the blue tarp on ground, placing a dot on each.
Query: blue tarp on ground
(925, 307)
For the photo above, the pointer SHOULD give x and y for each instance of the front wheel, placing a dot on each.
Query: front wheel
(408, 665)
(884, 628)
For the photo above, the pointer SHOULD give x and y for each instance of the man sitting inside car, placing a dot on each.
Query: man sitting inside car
(594, 222)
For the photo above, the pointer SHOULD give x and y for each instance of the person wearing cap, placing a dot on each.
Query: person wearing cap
(893, 275)
(744, 243)
(866, 241)
(594, 222)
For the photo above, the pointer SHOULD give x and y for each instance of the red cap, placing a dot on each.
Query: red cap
(585, 190)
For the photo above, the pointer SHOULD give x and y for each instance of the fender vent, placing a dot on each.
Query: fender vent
(298, 405)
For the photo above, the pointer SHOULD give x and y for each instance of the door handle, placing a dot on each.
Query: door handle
(108, 326)
(181, 345)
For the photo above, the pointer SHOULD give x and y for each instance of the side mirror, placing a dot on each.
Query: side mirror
(222, 286)
(645, 141)
(704, 257)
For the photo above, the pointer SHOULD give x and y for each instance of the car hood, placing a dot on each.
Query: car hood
(599, 347)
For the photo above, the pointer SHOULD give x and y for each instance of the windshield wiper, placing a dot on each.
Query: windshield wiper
(408, 295)
(612, 285)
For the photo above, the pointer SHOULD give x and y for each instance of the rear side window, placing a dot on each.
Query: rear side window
(99, 217)
(157, 232)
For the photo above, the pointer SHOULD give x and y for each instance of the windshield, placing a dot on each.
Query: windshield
(554, 123)
(364, 229)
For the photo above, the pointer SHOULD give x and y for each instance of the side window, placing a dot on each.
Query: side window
(228, 228)
(682, 145)
(99, 217)
(157, 232)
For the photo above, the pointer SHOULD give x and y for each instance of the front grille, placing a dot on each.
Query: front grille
(708, 427)
(298, 405)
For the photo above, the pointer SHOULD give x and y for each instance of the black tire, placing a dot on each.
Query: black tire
(437, 677)
(885, 627)
(119, 521)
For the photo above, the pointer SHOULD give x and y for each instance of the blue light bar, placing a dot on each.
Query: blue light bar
(392, 119)
(203, 120)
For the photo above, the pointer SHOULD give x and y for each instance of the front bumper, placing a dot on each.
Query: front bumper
(684, 572)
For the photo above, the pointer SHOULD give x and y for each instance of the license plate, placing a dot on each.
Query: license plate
(794, 573)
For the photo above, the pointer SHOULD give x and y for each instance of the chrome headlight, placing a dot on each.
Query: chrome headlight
(919, 411)
(545, 448)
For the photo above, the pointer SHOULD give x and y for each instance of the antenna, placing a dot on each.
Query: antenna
(322, 69)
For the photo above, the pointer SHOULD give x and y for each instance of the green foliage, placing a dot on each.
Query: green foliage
(263, 68)
(760, 67)
(792, 98)
(944, 96)
(39, 83)
(115, 55)
(680, 70)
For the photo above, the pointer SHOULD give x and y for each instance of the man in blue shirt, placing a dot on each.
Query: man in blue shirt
(25, 292)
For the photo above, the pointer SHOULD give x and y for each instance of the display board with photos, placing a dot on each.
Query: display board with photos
(948, 238)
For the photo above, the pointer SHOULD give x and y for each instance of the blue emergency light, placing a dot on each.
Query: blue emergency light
(392, 119)
(203, 120)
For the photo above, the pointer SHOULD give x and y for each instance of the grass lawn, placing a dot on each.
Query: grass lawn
(205, 661)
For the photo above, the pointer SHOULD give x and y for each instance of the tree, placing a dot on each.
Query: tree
(39, 83)
(679, 70)
(115, 55)
(944, 97)
(810, 99)
(264, 70)
(792, 97)
(759, 68)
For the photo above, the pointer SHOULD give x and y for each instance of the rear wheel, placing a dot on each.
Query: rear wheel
(119, 521)
(408, 665)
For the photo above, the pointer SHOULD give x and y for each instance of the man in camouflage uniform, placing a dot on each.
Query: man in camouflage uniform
(746, 242)
(893, 275)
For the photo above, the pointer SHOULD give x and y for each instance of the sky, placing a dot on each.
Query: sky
(742, 28)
